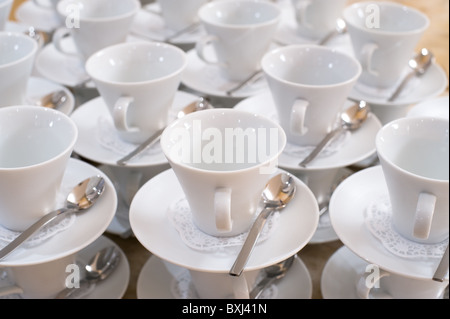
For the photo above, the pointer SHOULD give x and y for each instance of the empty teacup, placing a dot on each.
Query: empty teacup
(223, 158)
(5, 9)
(41, 281)
(414, 156)
(309, 86)
(35, 146)
(17, 54)
(94, 25)
(384, 36)
(138, 82)
(240, 32)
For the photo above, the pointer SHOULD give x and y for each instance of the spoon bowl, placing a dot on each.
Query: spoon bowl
(54, 100)
(272, 273)
(278, 192)
(351, 119)
(80, 198)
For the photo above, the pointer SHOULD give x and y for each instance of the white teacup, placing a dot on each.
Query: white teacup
(178, 14)
(240, 32)
(223, 158)
(94, 25)
(17, 54)
(41, 281)
(316, 18)
(5, 10)
(309, 86)
(138, 81)
(381, 284)
(384, 36)
(414, 156)
(35, 146)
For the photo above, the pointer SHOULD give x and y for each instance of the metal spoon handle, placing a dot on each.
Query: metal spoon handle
(261, 286)
(320, 146)
(402, 85)
(244, 82)
(189, 28)
(442, 268)
(250, 242)
(147, 143)
(31, 230)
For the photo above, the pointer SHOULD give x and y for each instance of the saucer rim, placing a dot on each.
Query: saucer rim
(52, 248)
(142, 222)
(438, 102)
(354, 234)
(98, 107)
(153, 263)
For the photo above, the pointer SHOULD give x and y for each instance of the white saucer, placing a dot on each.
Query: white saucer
(207, 79)
(154, 281)
(87, 117)
(115, 285)
(358, 147)
(347, 206)
(38, 87)
(87, 227)
(436, 107)
(295, 226)
(40, 18)
(150, 25)
(419, 89)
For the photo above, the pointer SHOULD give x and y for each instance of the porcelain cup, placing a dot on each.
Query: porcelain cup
(138, 82)
(17, 54)
(384, 36)
(377, 283)
(94, 25)
(35, 146)
(309, 86)
(41, 281)
(240, 32)
(5, 10)
(223, 159)
(414, 156)
(316, 18)
(178, 14)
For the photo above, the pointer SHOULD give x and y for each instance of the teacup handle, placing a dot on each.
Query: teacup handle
(200, 46)
(300, 13)
(222, 207)
(367, 282)
(424, 215)
(366, 57)
(58, 37)
(298, 113)
(10, 290)
(120, 114)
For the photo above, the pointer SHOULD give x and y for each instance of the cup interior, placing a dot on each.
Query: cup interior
(238, 13)
(42, 135)
(223, 140)
(310, 66)
(15, 47)
(419, 146)
(136, 62)
(99, 9)
(393, 18)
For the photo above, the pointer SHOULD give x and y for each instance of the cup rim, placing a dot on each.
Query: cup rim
(382, 154)
(57, 114)
(276, 19)
(315, 47)
(62, 5)
(167, 153)
(96, 55)
(346, 11)
(30, 54)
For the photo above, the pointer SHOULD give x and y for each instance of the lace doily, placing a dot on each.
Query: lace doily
(51, 229)
(378, 220)
(108, 137)
(179, 214)
(182, 288)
